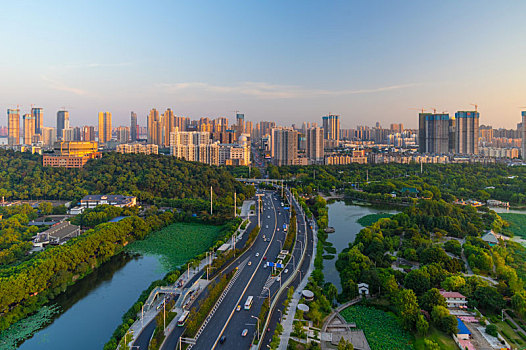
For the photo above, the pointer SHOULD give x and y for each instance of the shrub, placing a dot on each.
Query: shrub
(491, 329)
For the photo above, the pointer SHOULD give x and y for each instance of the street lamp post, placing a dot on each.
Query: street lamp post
(268, 289)
(257, 325)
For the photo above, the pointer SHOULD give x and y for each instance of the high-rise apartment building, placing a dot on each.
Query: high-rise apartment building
(182, 123)
(436, 133)
(240, 123)
(104, 127)
(123, 134)
(68, 134)
(265, 128)
(49, 136)
(248, 127)
(467, 132)
(422, 132)
(315, 150)
(284, 149)
(331, 127)
(134, 127)
(38, 115)
(523, 135)
(13, 127)
(155, 127)
(168, 119)
(62, 122)
(29, 128)
(88, 133)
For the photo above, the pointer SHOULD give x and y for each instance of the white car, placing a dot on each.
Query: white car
(257, 254)
(286, 271)
(244, 333)
(278, 279)
(249, 263)
(266, 226)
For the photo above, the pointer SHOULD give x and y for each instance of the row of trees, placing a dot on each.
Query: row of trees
(148, 177)
(437, 181)
(409, 234)
(27, 286)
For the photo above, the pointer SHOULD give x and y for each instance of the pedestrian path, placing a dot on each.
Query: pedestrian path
(288, 318)
(148, 315)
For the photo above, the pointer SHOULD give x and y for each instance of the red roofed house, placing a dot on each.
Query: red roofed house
(454, 299)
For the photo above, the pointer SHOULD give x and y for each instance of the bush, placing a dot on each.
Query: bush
(512, 325)
(491, 329)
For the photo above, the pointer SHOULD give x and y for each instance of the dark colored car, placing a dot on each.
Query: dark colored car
(222, 339)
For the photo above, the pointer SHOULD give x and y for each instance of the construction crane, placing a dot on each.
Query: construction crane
(422, 110)
(476, 106)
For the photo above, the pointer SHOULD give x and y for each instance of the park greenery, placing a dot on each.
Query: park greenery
(417, 234)
(15, 233)
(382, 329)
(517, 223)
(154, 179)
(437, 181)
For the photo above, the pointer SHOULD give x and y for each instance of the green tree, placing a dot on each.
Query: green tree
(417, 280)
(408, 308)
(432, 298)
(443, 320)
(345, 345)
(453, 283)
(491, 329)
(431, 345)
(422, 326)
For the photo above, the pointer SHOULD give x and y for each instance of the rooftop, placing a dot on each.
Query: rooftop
(451, 294)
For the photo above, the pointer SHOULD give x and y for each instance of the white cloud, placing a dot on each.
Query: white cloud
(57, 85)
(262, 90)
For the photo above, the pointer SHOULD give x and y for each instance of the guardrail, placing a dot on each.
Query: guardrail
(289, 280)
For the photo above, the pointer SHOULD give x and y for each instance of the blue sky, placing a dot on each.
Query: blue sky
(286, 61)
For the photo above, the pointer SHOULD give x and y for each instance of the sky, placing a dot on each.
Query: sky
(285, 61)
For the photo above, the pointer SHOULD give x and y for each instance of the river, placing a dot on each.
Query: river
(93, 307)
(344, 220)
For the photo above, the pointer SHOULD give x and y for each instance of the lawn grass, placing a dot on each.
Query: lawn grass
(508, 333)
(517, 223)
(177, 243)
(382, 329)
(442, 339)
(370, 219)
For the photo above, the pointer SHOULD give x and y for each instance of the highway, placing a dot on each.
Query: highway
(229, 322)
(304, 227)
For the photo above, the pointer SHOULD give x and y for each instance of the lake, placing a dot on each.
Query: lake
(344, 219)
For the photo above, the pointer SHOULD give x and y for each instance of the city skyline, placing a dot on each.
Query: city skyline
(274, 61)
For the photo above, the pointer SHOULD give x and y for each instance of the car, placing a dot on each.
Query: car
(222, 339)
(266, 226)
(238, 308)
(279, 278)
(257, 254)
(264, 258)
(249, 263)
(286, 271)
(277, 229)
(269, 216)
(244, 333)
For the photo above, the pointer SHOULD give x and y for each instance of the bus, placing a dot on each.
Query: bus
(183, 318)
(248, 303)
